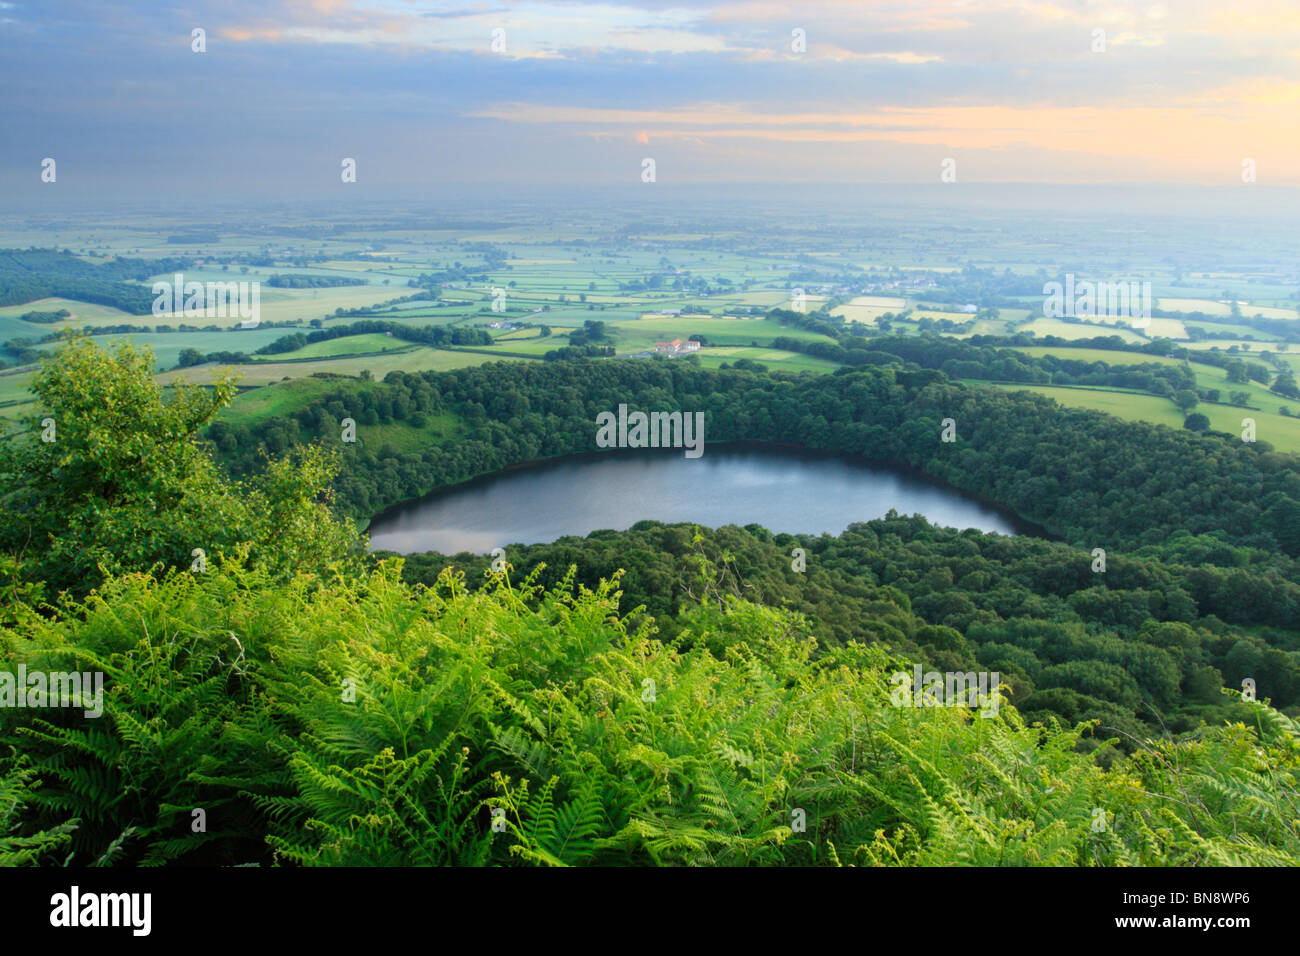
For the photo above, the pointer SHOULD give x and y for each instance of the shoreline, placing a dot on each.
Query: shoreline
(1021, 526)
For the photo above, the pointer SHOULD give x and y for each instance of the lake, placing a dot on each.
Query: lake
(783, 489)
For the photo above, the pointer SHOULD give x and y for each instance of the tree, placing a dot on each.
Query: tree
(125, 482)
(1196, 422)
(1286, 385)
(1185, 399)
(1203, 684)
(1282, 521)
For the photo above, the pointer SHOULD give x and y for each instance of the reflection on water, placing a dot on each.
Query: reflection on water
(796, 491)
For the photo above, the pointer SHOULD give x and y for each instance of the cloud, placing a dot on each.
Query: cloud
(1198, 139)
(287, 86)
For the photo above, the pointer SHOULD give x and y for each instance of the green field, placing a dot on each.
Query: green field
(1165, 328)
(1070, 330)
(405, 438)
(285, 305)
(867, 309)
(1292, 360)
(1109, 356)
(1131, 406)
(1219, 328)
(1207, 376)
(420, 359)
(16, 400)
(257, 405)
(536, 346)
(642, 334)
(1281, 432)
(982, 327)
(280, 398)
(83, 313)
(167, 346)
(1258, 344)
(1214, 307)
(775, 359)
(347, 345)
(1205, 306)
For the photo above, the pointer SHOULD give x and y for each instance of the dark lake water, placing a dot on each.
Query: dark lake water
(791, 490)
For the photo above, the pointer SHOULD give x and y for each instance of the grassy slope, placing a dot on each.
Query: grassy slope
(416, 360)
(346, 345)
(775, 359)
(1207, 376)
(1282, 433)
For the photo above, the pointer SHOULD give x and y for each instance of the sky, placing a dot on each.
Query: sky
(429, 95)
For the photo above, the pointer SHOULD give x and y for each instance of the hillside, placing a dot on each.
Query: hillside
(314, 706)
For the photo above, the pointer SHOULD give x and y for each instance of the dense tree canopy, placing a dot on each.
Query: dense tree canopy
(1082, 475)
(657, 696)
(109, 477)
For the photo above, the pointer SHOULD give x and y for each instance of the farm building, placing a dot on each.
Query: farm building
(676, 346)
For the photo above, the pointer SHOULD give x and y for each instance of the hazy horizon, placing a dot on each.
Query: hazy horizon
(1254, 205)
